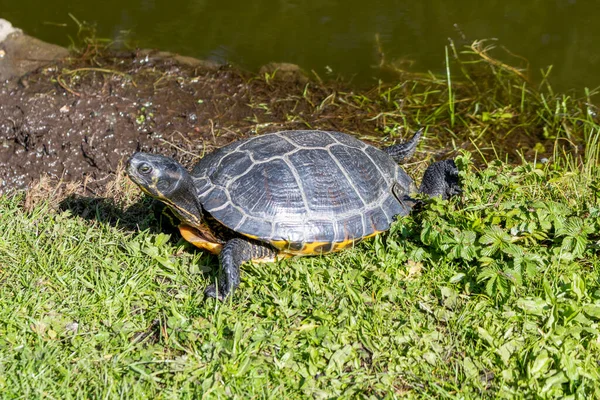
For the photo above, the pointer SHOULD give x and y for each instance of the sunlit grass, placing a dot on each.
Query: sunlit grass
(493, 294)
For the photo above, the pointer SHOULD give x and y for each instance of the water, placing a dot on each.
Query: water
(336, 36)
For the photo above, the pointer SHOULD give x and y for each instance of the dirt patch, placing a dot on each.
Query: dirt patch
(78, 120)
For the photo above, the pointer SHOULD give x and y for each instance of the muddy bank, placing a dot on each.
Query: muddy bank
(79, 120)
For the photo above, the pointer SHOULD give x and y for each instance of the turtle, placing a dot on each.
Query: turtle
(276, 195)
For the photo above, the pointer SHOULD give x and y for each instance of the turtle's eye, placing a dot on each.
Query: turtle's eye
(145, 169)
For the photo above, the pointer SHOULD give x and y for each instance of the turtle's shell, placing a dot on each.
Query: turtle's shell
(305, 192)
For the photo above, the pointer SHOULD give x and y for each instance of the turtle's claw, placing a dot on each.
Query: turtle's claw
(211, 291)
(454, 190)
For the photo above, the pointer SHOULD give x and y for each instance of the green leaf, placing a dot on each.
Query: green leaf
(450, 297)
(496, 239)
(592, 310)
(507, 350)
(485, 335)
(568, 363)
(339, 358)
(578, 286)
(457, 278)
(540, 365)
(470, 368)
(548, 291)
(556, 381)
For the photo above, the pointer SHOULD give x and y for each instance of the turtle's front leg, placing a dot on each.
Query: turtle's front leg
(236, 252)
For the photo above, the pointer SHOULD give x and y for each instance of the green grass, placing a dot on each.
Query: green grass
(492, 295)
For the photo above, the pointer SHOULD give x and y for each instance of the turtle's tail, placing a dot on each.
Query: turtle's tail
(403, 151)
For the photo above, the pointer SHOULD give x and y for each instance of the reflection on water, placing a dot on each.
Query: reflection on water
(339, 34)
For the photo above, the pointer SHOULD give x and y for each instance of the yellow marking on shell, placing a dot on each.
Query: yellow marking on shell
(279, 244)
(315, 248)
(338, 246)
(192, 235)
(372, 234)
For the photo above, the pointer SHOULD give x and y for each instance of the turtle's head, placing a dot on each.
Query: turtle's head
(158, 176)
(168, 181)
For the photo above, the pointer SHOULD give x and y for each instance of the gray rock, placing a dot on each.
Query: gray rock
(20, 53)
(6, 29)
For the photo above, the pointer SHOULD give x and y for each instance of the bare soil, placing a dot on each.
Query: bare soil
(79, 119)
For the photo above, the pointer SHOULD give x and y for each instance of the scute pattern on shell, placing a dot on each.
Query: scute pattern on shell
(299, 187)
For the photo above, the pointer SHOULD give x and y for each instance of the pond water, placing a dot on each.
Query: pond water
(335, 37)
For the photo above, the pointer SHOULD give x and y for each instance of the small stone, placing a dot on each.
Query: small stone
(6, 29)
(72, 327)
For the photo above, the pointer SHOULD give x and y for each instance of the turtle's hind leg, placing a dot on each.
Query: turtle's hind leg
(441, 179)
(236, 252)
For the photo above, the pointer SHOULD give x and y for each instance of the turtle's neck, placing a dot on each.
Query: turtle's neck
(183, 201)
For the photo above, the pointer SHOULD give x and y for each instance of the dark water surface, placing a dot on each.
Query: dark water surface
(336, 35)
